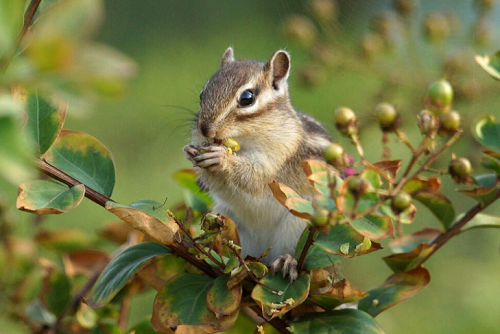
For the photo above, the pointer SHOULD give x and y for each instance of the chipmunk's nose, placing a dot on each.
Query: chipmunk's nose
(207, 131)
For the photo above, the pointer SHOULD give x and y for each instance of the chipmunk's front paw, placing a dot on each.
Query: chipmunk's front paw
(211, 158)
(286, 264)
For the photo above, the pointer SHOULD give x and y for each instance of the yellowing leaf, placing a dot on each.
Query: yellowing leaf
(148, 217)
(291, 200)
(48, 197)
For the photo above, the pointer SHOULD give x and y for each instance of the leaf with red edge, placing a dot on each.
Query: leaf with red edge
(291, 200)
(313, 166)
(341, 292)
(396, 289)
(408, 242)
(408, 261)
(484, 195)
(418, 184)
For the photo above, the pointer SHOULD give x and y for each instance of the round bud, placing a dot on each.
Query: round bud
(333, 152)
(437, 27)
(357, 185)
(301, 29)
(324, 10)
(400, 202)
(345, 121)
(320, 217)
(460, 167)
(427, 122)
(386, 115)
(450, 121)
(404, 7)
(439, 96)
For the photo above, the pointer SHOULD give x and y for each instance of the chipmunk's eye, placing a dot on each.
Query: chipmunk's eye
(247, 98)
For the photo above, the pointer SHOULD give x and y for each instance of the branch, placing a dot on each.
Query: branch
(100, 199)
(457, 227)
(178, 249)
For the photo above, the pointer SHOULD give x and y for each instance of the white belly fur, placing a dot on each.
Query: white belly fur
(262, 223)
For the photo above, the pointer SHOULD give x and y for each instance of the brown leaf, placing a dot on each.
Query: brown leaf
(84, 262)
(161, 232)
(390, 166)
(117, 231)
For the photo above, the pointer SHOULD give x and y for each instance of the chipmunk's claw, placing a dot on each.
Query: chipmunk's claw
(211, 158)
(287, 264)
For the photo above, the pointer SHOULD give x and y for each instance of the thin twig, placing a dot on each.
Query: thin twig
(28, 18)
(308, 244)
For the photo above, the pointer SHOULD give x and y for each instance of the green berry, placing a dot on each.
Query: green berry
(357, 185)
(386, 114)
(450, 121)
(439, 96)
(320, 217)
(460, 167)
(345, 121)
(401, 201)
(333, 152)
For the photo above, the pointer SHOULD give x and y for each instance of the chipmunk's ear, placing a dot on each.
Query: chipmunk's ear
(278, 68)
(227, 57)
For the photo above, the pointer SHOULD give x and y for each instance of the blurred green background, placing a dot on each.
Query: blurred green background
(178, 44)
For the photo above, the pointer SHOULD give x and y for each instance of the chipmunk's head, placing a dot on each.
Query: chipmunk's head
(243, 95)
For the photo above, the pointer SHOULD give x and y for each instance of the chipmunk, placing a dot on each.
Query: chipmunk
(249, 101)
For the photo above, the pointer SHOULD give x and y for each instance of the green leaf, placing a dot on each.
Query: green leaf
(46, 196)
(221, 300)
(337, 322)
(120, 270)
(182, 301)
(374, 226)
(36, 312)
(142, 327)
(396, 289)
(195, 197)
(149, 217)
(372, 178)
(482, 220)
(84, 158)
(407, 261)
(316, 258)
(291, 200)
(286, 294)
(56, 291)
(439, 205)
(491, 162)
(341, 234)
(491, 64)
(486, 130)
(45, 120)
(11, 22)
(15, 159)
(486, 180)
(71, 18)
(408, 242)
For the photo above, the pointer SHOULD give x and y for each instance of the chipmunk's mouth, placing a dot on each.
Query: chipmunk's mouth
(217, 141)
